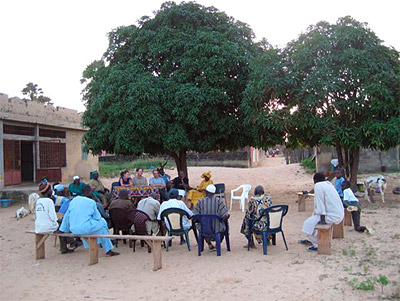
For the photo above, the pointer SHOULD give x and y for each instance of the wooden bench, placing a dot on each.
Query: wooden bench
(348, 219)
(326, 233)
(153, 241)
(324, 238)
(301, 200)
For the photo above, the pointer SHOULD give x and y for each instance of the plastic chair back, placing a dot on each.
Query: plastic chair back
(119, 220)
(138, 218)
(246, 190)
(274, 217)
(209, 224)
(219, 188)
(174, 217)
(115, 184)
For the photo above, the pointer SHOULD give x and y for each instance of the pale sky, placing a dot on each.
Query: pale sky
(50, 42)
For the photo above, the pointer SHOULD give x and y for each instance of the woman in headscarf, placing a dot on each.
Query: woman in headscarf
(195, 195)
(258, 202)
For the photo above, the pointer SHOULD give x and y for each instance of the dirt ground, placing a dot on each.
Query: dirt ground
(281, 275)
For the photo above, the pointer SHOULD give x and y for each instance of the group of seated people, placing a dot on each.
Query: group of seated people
(82, 209)
(163, 182)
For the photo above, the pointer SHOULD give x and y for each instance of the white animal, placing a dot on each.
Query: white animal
(33, 197)
(374, 182)
(21, 212)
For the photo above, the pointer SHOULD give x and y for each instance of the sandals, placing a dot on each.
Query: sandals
(352, 208)
(111, 253)
(312, 249)
(305, 242)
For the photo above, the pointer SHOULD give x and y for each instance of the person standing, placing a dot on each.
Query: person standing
(338, 182)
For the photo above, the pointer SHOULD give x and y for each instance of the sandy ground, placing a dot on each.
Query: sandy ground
(281, 275)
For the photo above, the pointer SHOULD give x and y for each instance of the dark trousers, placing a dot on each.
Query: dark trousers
(356, 215)
(64, 240)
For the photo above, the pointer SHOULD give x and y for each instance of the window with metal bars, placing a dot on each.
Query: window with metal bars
(52, 154)
(52, 133)
(17, 130)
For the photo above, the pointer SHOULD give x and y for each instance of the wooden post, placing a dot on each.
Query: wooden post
(40, 245)
(93, 251)
(302, 201)
(338, 230)
(324, 238)
(157, 255)
(348, 220)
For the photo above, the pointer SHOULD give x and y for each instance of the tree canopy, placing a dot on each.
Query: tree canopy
(338, 85)
(170, 84)
(36, 94)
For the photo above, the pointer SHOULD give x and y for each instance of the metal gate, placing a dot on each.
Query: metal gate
(12, 162)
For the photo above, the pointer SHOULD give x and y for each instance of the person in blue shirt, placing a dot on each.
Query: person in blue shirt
(83, 217)
(158, 182)
(338, 182)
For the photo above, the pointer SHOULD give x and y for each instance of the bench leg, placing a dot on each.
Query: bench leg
(40, 245)
(348, 220)
(302, 202)
(93, 251)
(157, 255)
(324, 241)
(338, 230)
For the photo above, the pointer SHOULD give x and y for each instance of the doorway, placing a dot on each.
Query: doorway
(27, 165)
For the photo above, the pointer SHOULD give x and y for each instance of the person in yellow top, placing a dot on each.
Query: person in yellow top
(195, 195)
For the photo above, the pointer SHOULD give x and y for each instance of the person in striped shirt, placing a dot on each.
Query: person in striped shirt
(210, 204)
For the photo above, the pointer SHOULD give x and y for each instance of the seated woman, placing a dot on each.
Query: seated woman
(195, 195)
(125, 180)
(258, 202)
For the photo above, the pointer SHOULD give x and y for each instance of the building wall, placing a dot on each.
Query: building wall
(75, 164)
(16, 111)
(370, 160)
(37, 113)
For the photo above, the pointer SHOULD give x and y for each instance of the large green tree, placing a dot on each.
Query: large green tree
(171, 84)
(337, 85)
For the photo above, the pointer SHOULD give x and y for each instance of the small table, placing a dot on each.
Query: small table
(137, 192)
(301, 200)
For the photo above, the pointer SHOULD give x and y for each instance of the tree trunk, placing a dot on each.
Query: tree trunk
(346, 160)
(355, 154)
(181, 161)
(340, 156)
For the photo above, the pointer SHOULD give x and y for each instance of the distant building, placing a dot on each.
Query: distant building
(38, 141)
(371, 161)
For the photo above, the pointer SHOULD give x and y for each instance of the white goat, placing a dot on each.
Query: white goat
(33, 197)
(374, 182)
(21, 212)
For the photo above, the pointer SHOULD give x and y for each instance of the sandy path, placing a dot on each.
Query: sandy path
(281, 275)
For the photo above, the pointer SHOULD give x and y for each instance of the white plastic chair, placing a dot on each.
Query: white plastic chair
(245, 195)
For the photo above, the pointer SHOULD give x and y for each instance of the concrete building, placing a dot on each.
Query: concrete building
(38, 141)
(371, 161)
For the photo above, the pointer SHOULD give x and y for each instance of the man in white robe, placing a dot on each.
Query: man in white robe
(328, 208)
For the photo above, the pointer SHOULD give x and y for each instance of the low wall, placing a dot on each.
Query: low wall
(371, 161)
(224, 159)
